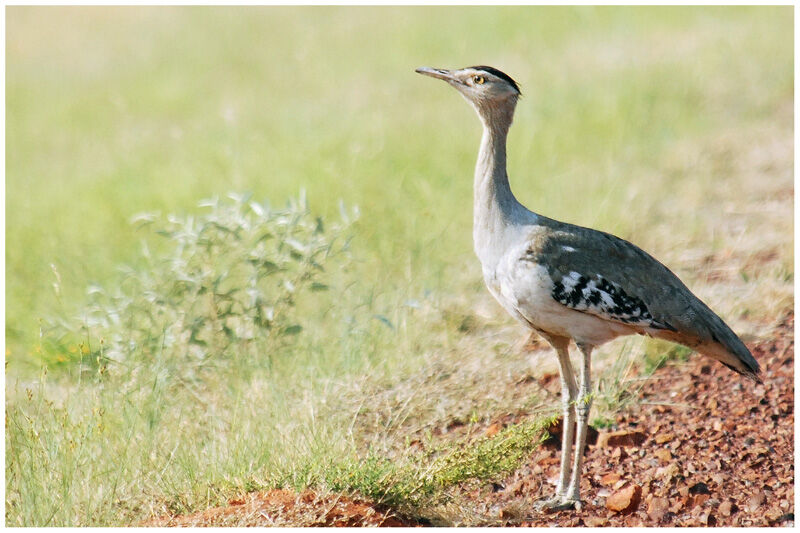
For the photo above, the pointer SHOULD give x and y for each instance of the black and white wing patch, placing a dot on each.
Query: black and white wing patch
(606, 299)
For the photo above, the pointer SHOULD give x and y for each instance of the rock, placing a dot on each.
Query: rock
(625, 500)
(668, 472)
(663, 454)
(726, 508)
(657, 508)
(755, 501)
(697, 500)
(610, 479)
(615, 439)
(699, 488)
(664, 437)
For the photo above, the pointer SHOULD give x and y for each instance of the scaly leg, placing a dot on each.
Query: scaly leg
(583, 405)
(568, 394)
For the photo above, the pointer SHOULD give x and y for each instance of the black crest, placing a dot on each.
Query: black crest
(500, 74)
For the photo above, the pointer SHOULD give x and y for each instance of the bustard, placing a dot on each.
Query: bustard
(567, 282)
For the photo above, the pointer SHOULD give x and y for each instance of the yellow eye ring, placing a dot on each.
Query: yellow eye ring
(479, 80)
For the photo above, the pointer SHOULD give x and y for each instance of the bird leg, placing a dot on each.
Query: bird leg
(583, 405)
(568, 395)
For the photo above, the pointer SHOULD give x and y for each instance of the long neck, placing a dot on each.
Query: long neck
(495, 205)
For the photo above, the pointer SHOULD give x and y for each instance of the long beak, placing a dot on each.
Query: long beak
(438, 73)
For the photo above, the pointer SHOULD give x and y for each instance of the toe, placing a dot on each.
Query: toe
(547, 503)
(556, 503)
(559, 503)
(563, 505)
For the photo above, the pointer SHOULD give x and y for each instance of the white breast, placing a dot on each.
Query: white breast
(524, 289)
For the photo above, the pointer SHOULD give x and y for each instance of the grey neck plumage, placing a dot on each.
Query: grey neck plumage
(497, 213)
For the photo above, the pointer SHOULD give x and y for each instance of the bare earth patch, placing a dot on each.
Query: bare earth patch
(287, 508)
(702, 447)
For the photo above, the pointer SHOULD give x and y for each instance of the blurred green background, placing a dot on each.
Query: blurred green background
(113, 111)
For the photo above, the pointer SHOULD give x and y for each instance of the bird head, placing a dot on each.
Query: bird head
(493, 93)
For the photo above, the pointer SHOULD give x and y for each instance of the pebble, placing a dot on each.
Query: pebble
(620, 438)
(657, 508)
(755, 501)
(595, 521)
(625, 500)
(610, 478)
(663, 454)
(667, 472)
(664, 437)
(726, 508)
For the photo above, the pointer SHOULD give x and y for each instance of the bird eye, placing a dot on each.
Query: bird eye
(479, 80)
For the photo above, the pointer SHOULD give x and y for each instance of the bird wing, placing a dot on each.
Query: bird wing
(603, 275)
(598, 273)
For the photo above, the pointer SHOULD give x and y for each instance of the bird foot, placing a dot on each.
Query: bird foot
(557, 503)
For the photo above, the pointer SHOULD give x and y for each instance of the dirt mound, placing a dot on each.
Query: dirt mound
(287, 508)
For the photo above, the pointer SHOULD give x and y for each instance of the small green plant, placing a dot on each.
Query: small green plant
(223, 286)
(602, 422)
(423, 480)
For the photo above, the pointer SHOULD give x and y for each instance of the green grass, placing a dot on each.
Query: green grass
(671, 127)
